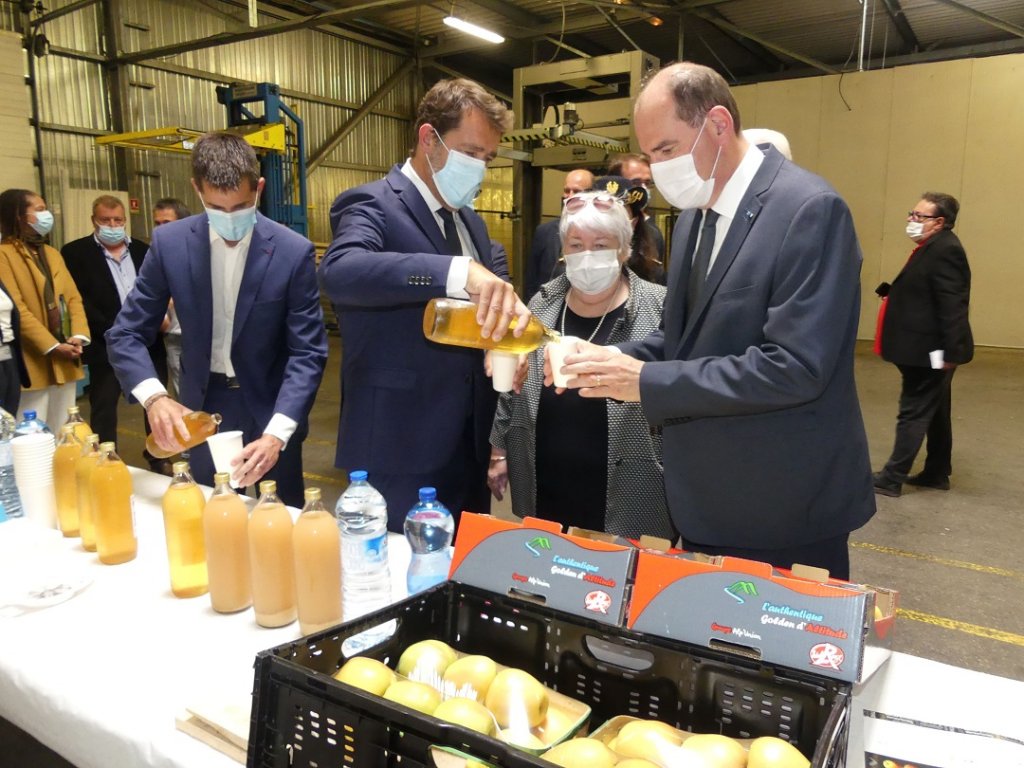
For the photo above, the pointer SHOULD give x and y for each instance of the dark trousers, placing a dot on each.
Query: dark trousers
(10, 387)
(104, 396)
(925, 403)
(461, 484)
(234, 415)
(832, 554)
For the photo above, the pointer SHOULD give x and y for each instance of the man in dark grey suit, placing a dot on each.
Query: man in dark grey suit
(545, 260)
(751, 377)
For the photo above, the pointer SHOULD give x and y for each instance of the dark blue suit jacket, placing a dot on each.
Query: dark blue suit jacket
(764, 444)
(279, 347)
(405, 400)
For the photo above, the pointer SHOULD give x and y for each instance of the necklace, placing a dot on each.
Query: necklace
(597, 328)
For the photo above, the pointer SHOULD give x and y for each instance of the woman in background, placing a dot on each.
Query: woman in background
(585, 462)
(53, 324)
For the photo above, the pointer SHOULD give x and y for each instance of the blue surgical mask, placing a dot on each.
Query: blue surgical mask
(458, 182)
(233, 225)
(111, 235)
(43, 223)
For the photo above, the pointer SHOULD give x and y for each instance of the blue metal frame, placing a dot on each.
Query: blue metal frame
(284, 194)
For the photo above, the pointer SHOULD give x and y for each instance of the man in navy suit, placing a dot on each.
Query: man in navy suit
(415, 413)
(751, 376)
(253, 341)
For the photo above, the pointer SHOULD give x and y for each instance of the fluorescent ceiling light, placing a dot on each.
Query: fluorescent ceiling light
(472, 29)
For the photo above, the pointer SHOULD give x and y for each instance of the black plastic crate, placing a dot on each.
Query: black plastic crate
(302, 717)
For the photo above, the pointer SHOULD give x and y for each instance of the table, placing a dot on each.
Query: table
(100, 678)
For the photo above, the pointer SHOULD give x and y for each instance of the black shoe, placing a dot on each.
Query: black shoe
(886, 487)
(937, 482)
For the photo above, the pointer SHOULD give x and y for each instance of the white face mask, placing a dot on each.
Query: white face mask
(915, 230)
(592, 271)
(679, 182)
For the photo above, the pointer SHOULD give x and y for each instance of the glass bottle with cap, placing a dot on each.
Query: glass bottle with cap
(316, 544)
(453, 321)
(200, 425)
(83, 479)
(65, 462)
(82, 428)
(113, 518)
(225, 524)
(271, 559)
(183, 505)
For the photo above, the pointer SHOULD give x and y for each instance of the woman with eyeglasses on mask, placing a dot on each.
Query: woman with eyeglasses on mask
(585, 462)
(53, 327)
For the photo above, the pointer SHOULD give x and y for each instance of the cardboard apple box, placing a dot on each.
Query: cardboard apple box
(801, 618)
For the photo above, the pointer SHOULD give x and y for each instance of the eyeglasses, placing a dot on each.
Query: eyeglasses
(914, 215)
(602, 202)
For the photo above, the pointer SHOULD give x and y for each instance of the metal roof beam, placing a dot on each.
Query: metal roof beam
(510, 11)
(725, 25)
(903, 28)
(455, 73)
(989, 19)
(56, 14)
(226, 38)
(357, 117)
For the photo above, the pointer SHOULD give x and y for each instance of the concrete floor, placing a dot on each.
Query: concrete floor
(952, 555)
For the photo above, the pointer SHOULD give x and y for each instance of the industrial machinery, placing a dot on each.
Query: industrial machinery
(256, 112)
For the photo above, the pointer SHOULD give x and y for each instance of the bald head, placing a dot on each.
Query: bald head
(579, 180)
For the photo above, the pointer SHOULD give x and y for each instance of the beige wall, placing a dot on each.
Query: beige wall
(955, 127)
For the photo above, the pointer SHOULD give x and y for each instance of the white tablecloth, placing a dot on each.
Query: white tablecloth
(101, 677)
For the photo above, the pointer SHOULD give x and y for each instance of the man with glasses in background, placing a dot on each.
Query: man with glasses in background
(104, 265)
(925, 332)
(545, 260)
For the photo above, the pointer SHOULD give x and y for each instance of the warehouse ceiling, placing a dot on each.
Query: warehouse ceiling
(745, 40)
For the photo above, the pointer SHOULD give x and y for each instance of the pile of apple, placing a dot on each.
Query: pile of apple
(469, 690)
(653, 744)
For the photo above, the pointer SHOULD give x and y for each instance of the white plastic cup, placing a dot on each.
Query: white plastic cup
(937, 359)
(39, 504)
(503, 370)
(557, 352)
(224, 446)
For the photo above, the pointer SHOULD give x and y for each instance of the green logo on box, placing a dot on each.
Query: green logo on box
(740, 589)
(538, 543)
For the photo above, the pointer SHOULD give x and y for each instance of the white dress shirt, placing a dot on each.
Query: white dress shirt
(731, 196)
(458, 272)
(122, 269)
(6, 326)
(227, 265)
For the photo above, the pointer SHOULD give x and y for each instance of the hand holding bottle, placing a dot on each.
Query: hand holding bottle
(167, 422)
(497, 303)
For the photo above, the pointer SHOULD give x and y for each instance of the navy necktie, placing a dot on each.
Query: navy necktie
(451, 234)
(701, 262)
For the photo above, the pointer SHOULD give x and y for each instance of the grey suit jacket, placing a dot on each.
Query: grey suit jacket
(764, 444)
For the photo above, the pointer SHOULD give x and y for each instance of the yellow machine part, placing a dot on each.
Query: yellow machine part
(263, 138)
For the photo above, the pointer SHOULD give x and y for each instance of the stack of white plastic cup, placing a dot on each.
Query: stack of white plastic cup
(33, 473)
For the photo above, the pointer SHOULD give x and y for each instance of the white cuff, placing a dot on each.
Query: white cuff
(282, 427)
(458, 276)
(86, 341)
(51, 349)
(146, 388)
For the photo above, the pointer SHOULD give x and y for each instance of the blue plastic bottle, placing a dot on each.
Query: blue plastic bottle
(428, 528)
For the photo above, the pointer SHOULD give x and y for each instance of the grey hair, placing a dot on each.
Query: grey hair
(223, 160)
(614, 222)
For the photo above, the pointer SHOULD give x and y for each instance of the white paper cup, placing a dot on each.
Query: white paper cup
(556, 355)
(224, 446)
(503, 370)
(39, 504)
(936, 358)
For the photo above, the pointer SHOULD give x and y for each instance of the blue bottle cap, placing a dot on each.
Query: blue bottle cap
(428, 494)
(357, 475)
(29, 415)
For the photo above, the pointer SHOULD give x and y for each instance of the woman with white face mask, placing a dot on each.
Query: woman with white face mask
(585, 462)
(52, 327)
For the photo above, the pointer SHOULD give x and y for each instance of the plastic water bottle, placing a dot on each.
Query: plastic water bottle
(30, 424)
(10, 501)
(428, 528)
(362, 516)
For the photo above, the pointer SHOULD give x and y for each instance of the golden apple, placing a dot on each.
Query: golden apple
(635, 762)
(521, 739)
(418, 696)
(772, 752)
(649, 740)
(468, 712)
(476, 672)
(718, 751)
(517, 699)
(426, 660)
(365, 673)
(581, 753)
